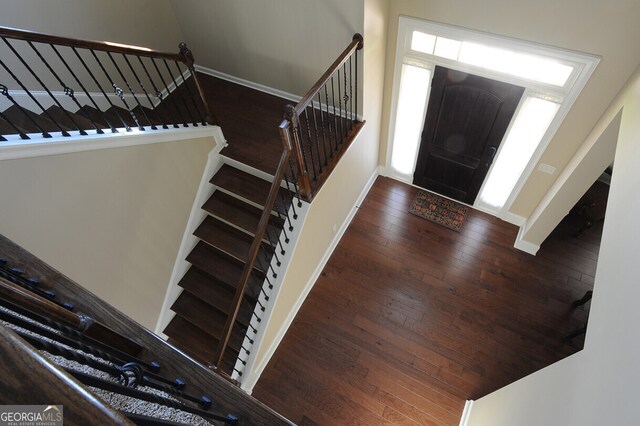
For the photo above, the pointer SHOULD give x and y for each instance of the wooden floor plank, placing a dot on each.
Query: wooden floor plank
(409, 319)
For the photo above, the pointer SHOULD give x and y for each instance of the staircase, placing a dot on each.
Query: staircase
(217, 261)
(117, 89)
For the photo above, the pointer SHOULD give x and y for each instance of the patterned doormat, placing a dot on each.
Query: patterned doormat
(439, 210)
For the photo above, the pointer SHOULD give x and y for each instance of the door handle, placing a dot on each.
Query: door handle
(491, 152)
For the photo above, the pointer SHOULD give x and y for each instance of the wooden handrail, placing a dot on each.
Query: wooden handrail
(184, 56)
(37, 304)
(255, 245)
(34, 36)
(357, 43)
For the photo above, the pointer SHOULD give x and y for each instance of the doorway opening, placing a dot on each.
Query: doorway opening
(551, 79)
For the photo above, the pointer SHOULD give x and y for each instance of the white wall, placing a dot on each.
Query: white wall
(598, 386)
(148, 23)
(283, 44)
(111, 219)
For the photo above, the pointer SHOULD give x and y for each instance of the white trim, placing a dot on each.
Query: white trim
(253, 375)
(513, 218)
(262, 88)
(246, 83)
(247, 169)
(466, 412)
(522, 244)
(14, 147)
(189, 241)
(247, 369)
(584, 66)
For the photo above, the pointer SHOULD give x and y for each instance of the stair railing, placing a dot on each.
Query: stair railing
(98, 86)
(51, 350)
(271, 205)
(325, 121)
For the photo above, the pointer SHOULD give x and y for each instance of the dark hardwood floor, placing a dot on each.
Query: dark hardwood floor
(249, 120)
(409, 319)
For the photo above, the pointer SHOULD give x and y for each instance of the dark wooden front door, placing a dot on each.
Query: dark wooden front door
(467, 117)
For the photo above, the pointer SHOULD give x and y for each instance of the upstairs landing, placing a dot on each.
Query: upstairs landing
(249, 120)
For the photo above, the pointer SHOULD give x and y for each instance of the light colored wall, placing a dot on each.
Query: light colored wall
(599, 385)
(336, 199)
(112, 219)
(148, 23)
(594, 27)
(284, 44)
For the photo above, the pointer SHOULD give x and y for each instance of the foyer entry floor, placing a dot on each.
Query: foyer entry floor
(409, 319)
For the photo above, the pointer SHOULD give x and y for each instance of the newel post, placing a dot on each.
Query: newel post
(360, 39)
(188, 60)
(304, 182)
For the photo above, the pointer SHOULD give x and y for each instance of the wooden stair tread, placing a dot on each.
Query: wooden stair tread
(7, 129)
(222, 266)
(147, 116)
(62, 117)
(19, 118)
(117, 115)
(232, 241)
(195, 342)
(217, 295)
(247, 186)
(241, 214)
(199, 313)
(97, 116)
(208, 320)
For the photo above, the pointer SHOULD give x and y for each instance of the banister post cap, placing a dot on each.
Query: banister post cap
(358, 37)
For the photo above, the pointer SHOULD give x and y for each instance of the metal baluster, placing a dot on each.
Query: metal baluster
(304, 151)
(286, 210)
(324, 133)
(110, 386)
(173, 100)
(346, 100)
(193, 100)
(121, 94)
(67, 91)
(315, 126)
(74, 338)
(326, 98)
(99, 130)
(135, 75)
(289, 192)
(158, 94)
(310, 139)
(351, 90)
(95, 80)
(286, 237)
(340, 108)
(356, 77)
(5, 92)
(175, 83)
(295, 182)
(335, 122)
(44, 111)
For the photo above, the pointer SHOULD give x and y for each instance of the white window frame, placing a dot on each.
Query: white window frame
(583, 65)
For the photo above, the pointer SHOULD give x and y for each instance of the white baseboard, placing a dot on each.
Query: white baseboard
(466, 412)
(252, 377)
(250, 84)
(512, 218)
(525, 246)
(15, 148)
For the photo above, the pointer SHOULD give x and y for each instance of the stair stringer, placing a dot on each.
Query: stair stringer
(246, 362)
(189, 241)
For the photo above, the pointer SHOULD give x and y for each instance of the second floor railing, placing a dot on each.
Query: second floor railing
(326, 120)
(58, 86)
